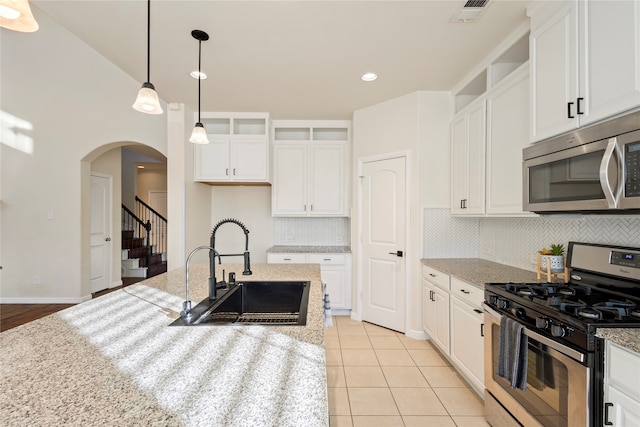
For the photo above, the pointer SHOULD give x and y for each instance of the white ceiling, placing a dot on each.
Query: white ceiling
(294, 59)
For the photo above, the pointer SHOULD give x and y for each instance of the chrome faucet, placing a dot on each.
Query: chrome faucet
(186, 313)
(245, 255)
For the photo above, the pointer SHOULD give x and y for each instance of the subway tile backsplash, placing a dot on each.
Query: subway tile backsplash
(515, 241)
(312, 231)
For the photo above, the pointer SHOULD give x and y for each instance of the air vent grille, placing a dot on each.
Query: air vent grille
(470, 12)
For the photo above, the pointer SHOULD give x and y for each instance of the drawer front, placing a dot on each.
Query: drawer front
(623, 369)
(286, 258)
(327, 259)
(436, 277)
(467, 292)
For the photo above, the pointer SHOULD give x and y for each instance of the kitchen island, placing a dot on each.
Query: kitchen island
(115, 360)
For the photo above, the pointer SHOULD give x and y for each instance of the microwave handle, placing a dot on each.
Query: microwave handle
(612, 195)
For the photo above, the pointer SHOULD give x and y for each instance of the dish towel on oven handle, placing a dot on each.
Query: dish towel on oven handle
(512, 353)
(328, 320)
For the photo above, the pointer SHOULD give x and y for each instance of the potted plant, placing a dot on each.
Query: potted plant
(553, 257)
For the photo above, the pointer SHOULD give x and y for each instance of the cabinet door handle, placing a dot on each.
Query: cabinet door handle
(569, 116)
(311, 207)
(464, 291)
(234, 171)
(606, 414)
(431, 296)
(226, 171)
(481, 329)
(579, 106)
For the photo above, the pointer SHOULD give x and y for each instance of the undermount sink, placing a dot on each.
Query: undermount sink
(255, 303)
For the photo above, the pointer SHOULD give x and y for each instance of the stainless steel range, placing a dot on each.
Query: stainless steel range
(562, 382)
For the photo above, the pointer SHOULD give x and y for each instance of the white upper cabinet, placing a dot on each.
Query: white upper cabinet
(585, 63)
(310, 168)
(238, 149)
(468, 162)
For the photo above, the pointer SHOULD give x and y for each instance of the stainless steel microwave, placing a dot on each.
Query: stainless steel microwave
(595, 169)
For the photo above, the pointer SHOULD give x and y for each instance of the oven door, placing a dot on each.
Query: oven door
(557, 382)
(583, 178)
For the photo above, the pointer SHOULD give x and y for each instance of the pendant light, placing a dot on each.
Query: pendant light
(199, 135)
(16, 15)
(147, 100)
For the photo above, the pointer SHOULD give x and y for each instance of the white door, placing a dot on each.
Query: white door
(383, 236)
(101, 188)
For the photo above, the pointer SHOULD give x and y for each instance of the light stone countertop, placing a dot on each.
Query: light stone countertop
(625, 337)
(478, 271)
(115, 360)
(309, 249)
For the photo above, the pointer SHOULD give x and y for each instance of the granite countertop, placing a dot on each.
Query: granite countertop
(625, 337)
(309, 250)
(115, 360)
(478, 271)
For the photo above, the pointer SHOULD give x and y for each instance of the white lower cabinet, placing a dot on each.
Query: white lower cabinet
(335, 270)
(621, 386)
(453, 318)
(435, 307)
(467, 332)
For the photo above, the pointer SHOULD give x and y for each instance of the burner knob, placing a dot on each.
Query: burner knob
(559, 331)
(502, 303)
(519, 312)
(543, 322)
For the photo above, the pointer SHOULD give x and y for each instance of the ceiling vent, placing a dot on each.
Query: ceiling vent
(470, 12)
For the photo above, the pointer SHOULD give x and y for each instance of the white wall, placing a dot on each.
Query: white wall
(416, 124)
(75, 105)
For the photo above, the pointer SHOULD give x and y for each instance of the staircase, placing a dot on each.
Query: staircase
(143, 243)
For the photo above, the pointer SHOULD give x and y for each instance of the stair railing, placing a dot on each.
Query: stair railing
(131, 222)
(158, 225)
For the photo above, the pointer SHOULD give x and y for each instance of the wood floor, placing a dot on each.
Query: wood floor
(12, 315)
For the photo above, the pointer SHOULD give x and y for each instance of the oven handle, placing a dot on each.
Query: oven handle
(567, 351)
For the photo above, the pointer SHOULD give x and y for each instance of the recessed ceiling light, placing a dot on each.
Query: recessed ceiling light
(369, 77)
(195, 75)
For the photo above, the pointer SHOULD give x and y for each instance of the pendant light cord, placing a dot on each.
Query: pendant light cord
(199, 75)
(149, 41)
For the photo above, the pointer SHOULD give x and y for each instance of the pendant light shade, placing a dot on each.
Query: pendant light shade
(16, 15)
(147, 100)
(199, 134)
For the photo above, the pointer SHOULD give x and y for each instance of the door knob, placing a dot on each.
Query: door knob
(396, 253)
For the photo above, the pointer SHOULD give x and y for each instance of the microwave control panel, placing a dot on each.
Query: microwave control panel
(632, 168)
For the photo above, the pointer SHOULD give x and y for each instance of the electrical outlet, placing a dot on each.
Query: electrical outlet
(36, 279)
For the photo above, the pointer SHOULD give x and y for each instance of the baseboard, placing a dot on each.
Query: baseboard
(341, 311)
(416, 335)
(116, 284)
(53, 300)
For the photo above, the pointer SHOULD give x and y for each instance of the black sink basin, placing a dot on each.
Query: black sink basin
(254, 303)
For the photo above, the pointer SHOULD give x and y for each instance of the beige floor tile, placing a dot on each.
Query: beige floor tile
(411, 343)
(351, 330)
(355, 341)
(470, 421)
(333, 356)
(460, 401)
(375, 330)
(442, 376)
(418, 401)
(430, 421)
(427, 357)
(338, 401)
(386, 342)
(345, 321)
(394, 358)
(335, 376)
(331, 331)
(372, 401)
(404, 376)
(364, 376)
(340, 421)
(359, 357)
(331, 341)
(377, 421)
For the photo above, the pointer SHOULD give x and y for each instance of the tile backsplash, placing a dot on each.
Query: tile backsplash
(515, 241)
(312, 231)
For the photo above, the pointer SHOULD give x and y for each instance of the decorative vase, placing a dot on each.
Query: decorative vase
(556, 262)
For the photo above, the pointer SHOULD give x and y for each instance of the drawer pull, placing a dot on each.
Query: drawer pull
(432, 275)
(287, 259)
(464, 291)
(477, 310)
(326, 259)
